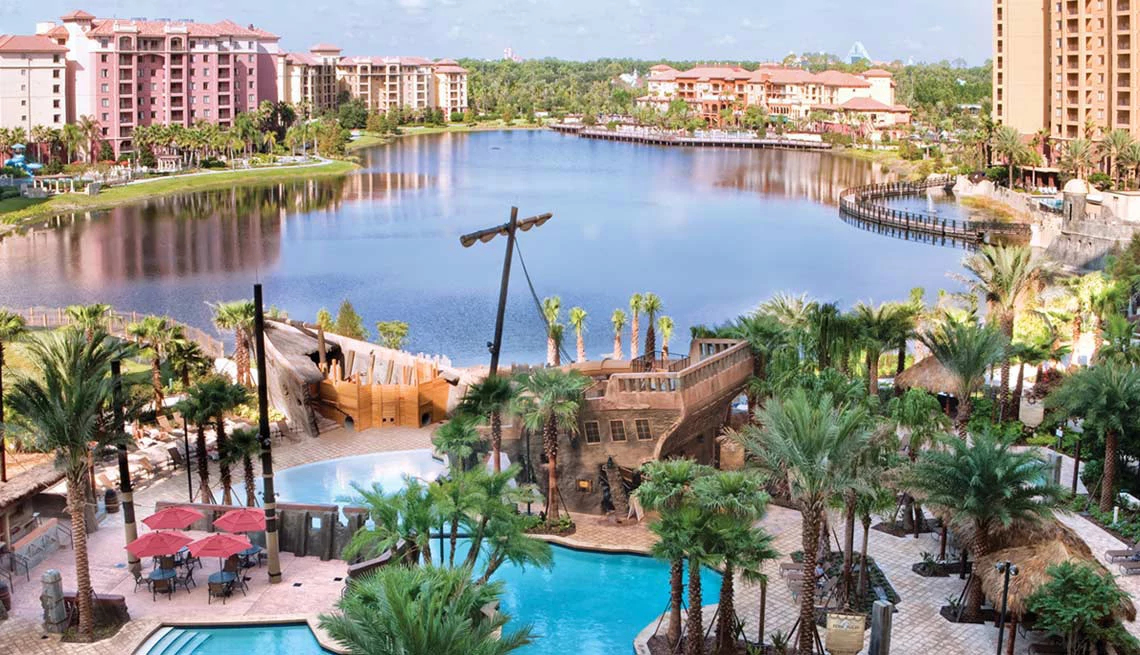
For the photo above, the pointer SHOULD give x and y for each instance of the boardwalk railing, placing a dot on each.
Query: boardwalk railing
(859, 203)
(707, 138)
(56, 317)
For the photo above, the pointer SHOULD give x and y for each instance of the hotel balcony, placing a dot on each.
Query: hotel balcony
(178, 116)
(127, 119)
(223, 73)
(125, 74)
(223, 100)
(176, 88)
(176, 103)
(126, 103)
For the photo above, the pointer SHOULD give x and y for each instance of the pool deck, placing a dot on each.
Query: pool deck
(918, 629)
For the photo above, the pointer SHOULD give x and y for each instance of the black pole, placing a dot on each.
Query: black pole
(186, 443)
(271, 536)
(1008, 569)
(529, 470)
(130, 529)
(1076, 465)
(497, 344)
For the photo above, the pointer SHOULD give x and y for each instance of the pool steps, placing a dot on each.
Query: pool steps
(177, 641)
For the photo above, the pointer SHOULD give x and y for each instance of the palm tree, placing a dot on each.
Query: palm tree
(1007, 277)
(92, 136)
(551, 308)
(1078, 157)
(156, 333)
(917, 420)
(665, 327)
(666, 486)
(765, 336)
(578, 322)
(90, 318)
(1107, 397)
(72, 137)
(812, 440)
(984, 484)
(635, 303)
(403, 522)
(459, 438)
(879, 328)
(194, 407)
(1130, 161)
(651, 305)
(1007, 143)
(456, 499)
(966, 350)
(218, 397)
(735, 502)
(186, 360)
(244, 445)
(238, 316)
(548, 401)
(618, 319)
(61, 405)
(422, 611)
(1114, 146)
(489, 398)
(11, 328)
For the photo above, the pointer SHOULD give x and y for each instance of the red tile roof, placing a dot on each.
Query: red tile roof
(448, 68)
(39, 43)
(78, 14)
(324, 47)
(662, 67)
(877, 72)
(57, 32)
(704, 73)
(301, 58)
(837, 78)
(157, 28)
(870, 104)
(381, 61)
(787, 76)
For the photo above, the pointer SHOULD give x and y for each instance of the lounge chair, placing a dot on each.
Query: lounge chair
(163, 586)
(1128, 567)
(218, 590)
(1127, 553)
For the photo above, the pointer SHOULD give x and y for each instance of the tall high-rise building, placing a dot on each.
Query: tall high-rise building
(132, 72)
(411, 83)
(33, 83)
(1068, 66)
(307, 80)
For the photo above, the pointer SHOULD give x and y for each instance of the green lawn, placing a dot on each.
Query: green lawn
(121, 195)
(16, 204)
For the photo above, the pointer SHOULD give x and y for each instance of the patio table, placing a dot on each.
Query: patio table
(222, 577)
(163, 574)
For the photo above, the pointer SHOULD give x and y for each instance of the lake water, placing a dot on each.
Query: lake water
(713, 232)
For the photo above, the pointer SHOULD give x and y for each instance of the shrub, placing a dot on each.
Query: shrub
(1100, 180)
(1079, 604)
(997, 174)
(456, 117)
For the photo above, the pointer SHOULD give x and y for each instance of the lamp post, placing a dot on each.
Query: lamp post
(1007, 569)
(130, 529)
(272, 544)
(508, 230)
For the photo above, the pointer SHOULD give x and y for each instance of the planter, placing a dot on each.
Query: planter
(111, 501)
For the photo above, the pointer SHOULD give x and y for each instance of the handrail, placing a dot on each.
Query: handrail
(857, 203)
(56, 317)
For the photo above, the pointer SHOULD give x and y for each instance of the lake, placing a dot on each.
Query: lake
(714, 232)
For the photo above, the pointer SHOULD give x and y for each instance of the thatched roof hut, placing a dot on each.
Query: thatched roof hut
(27, 484)
(1034, 551)
(928, 374)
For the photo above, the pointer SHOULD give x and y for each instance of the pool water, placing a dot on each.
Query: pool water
(330, 481)
(264, 640)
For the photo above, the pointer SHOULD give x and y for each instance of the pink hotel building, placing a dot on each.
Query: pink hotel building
(128, 73)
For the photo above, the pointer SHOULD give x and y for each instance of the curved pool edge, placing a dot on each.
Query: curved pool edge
(641, 641)
(577, 544)
(312, 621)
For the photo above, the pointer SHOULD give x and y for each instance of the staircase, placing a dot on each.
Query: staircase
(178, 641)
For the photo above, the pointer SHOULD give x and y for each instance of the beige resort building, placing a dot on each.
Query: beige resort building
(33, 79)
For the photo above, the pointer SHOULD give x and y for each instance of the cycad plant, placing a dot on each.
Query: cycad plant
(1107, 397)
(984, 484)
(966, 350)
(401, 523)
(459, 438)
(422, 611)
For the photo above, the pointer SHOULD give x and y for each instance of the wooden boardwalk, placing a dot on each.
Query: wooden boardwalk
(671, 138)
(858, 205)
(56, 317)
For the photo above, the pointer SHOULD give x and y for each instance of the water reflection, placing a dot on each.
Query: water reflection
(712, 231)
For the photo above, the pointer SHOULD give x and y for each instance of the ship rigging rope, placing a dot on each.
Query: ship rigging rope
(537, 302)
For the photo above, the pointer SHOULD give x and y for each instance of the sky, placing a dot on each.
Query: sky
(704, 30)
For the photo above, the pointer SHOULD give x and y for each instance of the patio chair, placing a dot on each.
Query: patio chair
(233, 565)
(167, 562)
(163, 586)
(141, 580)
(186, 579)
(217, 590)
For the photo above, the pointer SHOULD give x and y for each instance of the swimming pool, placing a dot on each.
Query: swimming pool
(330, 481)
(294, 639)
(589, 603)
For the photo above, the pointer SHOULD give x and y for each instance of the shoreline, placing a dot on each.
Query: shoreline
(162, 186)
(372, 139)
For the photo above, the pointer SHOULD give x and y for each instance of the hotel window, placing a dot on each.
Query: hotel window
(152, 115)
(617, 430)
(55, 59)
(251, 98)
(55, 73)
(104, 73)
(642, 427)
(206, 100)
(55, 118)
(592, 433)
(205, 86)
(251, 59)
(105, 102)
(104, 117)
(105, 129)
(103, 43)
(23, 117)
(206, 72)
(55, 88)
(55, 104)
(102, 59)
(205, 58)
(23, 102)
(207, 113)
(193, 86)
(251, 85)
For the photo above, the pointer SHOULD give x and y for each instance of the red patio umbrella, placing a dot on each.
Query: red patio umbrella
(173, 518)
(241, 520)
(156, 544)
(219, 545)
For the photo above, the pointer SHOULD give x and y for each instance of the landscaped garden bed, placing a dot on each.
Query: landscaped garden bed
(878, 587)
